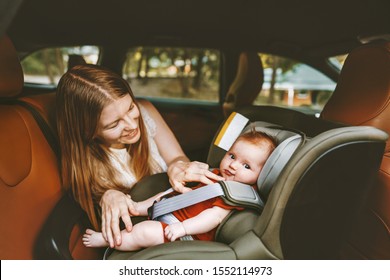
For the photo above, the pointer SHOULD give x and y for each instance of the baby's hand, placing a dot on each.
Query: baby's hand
(175, 231)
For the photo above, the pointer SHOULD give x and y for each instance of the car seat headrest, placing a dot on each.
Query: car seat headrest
(75, 59)
(247, 84)
(362, 93)
(287, 143)
(11, 73)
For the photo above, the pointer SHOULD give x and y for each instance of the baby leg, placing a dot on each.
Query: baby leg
(143, 235)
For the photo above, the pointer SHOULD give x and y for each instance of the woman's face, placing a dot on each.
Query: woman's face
(243, 162)
(119, 123)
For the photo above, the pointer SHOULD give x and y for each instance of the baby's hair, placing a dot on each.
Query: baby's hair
(260, 139)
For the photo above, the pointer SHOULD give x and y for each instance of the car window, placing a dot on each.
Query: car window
(289, 83)
(46, 66)
(186, 74)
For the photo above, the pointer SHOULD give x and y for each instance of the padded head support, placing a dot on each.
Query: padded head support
(11, 74)
(362, 95)
(287, 143)
(75, 59)
(247, 83)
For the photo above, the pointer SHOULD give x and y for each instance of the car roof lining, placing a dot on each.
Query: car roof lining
(297, 26)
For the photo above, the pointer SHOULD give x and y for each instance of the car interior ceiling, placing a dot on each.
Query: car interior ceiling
(293, 31)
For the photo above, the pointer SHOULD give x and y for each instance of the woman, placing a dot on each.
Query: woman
(109, 142)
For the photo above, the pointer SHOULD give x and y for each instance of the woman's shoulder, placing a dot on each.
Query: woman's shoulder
(146, 109)
(149, 107)
(146, 105)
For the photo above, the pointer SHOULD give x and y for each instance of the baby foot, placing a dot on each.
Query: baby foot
(92, 238)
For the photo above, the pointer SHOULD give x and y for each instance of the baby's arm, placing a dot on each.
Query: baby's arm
(142, 206)
(202, 223)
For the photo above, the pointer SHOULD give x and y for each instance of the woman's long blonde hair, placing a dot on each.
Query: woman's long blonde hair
(82, 94)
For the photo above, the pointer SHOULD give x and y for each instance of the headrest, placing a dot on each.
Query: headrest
(247, 83)
(75, 59)
(362, 94)
(287, 143)
(11, 73)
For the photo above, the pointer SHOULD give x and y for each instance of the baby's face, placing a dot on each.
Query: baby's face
(243, 162)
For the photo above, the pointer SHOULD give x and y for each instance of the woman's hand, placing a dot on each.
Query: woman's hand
(181, 172)
(115, 205)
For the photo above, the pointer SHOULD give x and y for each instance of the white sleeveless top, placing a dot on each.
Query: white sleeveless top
(120, 157)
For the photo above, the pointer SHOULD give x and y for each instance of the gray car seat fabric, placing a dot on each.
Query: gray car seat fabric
(328, 181)
(308, 211)
(288, 141)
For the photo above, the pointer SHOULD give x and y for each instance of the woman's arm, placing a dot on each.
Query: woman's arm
(180, 169)
(202, 223)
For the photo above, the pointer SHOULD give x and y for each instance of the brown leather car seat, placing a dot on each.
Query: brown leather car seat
(362, 97)
(247, 83)
(30, 185)
(29, 179)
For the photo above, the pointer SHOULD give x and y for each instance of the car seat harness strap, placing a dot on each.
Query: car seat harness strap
(233, 193)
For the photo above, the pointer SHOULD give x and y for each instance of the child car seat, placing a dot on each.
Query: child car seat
(308, 211)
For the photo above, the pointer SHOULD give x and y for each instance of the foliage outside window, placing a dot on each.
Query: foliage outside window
(288, 83)
(179, 73)
(46, 66)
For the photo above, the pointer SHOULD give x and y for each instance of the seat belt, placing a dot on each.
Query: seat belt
(233, 193)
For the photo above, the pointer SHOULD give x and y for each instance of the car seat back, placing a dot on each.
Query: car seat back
(310, 209)
(362, 97)
(30, 185)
